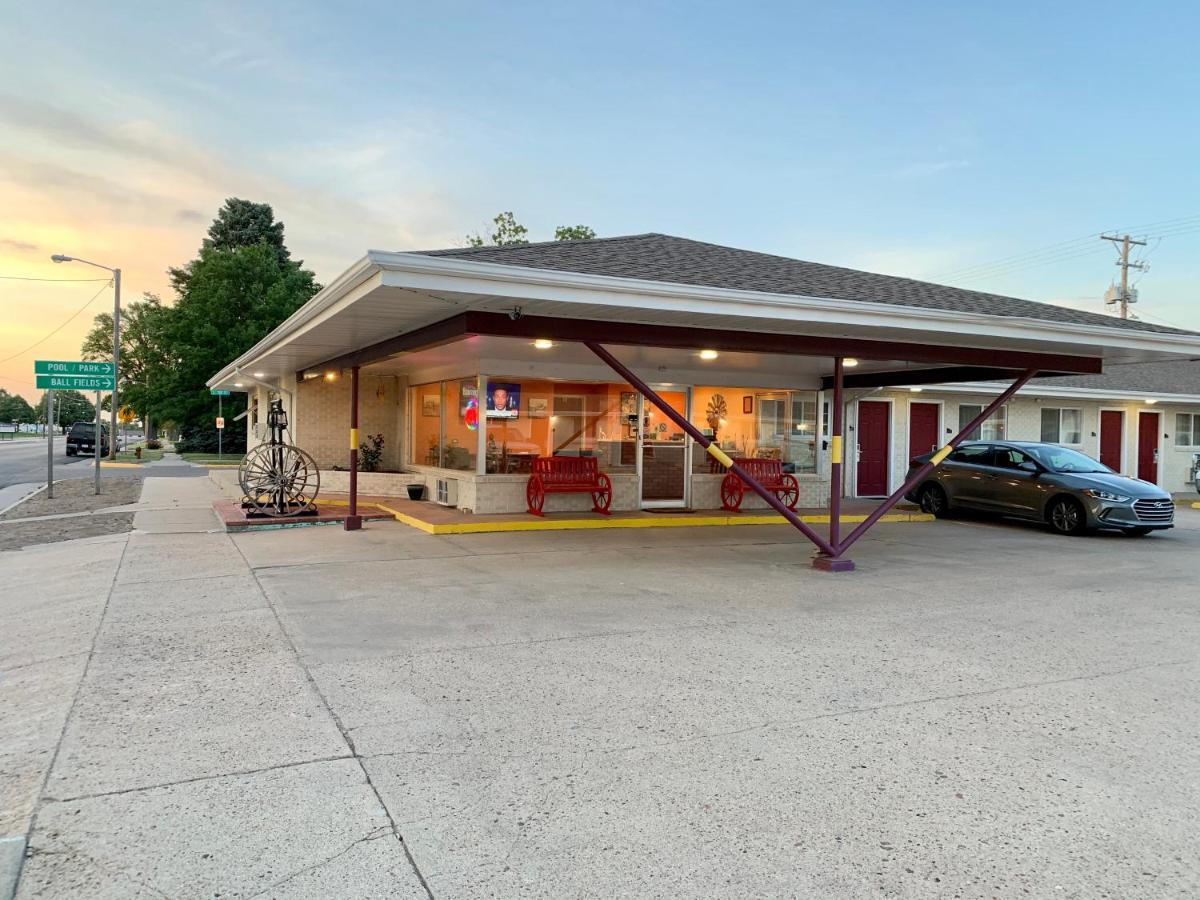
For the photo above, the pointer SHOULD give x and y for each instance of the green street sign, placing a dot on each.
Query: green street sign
(50, 367)
(75, 383)
(218, 393)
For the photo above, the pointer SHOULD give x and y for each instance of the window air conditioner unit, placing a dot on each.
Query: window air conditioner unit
(446, 492)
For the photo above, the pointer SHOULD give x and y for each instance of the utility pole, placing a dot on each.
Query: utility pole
(1124, 242)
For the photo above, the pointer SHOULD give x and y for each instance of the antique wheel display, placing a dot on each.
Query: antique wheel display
(602, 498)
(535, 495)
(789, 494)
(731, 492)
(279, 480)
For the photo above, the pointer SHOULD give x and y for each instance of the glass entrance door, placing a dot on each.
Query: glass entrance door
(663, 452)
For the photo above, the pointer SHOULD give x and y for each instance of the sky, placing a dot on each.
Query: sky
(983, 145)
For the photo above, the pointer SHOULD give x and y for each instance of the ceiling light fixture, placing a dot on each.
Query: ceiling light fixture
(237, 384)
(260, 374)
(331, 375)
(543, 343)
(916, 390)
(708, 354)
(849, 362)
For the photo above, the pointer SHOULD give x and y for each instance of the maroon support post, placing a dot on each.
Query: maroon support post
(825, 561)
(918, 476)
(353, 520)
(716, 452)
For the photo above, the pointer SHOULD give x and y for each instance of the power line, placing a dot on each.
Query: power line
(24, 278)
(69, 320)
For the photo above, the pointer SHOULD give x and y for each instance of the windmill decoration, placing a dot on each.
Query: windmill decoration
(277, 478)
(715, 413)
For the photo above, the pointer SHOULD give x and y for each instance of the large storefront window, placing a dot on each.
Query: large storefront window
(528, 418)
(442, 432)
(751, 422)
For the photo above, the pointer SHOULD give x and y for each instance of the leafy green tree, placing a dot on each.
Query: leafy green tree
(507, 232)
(70, 407)
(15, 408)
(573, 233)
(232, 298)
(243, 223)
(144, 352)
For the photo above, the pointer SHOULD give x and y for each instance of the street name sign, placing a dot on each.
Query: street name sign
(217, 392)
(75, 382)
(52, 367)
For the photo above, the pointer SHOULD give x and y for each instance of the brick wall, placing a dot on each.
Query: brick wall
(322, 423)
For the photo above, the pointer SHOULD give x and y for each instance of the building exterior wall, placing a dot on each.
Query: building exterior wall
(1025, 424)
(322, 420)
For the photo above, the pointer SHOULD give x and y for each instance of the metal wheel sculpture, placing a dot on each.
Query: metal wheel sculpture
(789, 494)
(732, 491)
(277, 478)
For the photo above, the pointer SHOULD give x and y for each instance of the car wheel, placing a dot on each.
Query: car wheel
(934, 501)
(1138, 532)
(1066, 516)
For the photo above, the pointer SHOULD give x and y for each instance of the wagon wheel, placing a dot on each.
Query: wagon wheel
(602, 498)
(789, 494)
(535, 495)
(731, 492)
(279, 480)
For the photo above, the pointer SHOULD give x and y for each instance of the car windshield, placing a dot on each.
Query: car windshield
(1060, 459)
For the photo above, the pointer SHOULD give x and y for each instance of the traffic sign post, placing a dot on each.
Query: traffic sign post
(99, 435)
(220, 423)
(75, 375)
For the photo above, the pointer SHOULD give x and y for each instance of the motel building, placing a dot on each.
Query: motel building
(667, 361)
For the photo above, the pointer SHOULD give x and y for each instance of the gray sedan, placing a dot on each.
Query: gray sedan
(1068, 490)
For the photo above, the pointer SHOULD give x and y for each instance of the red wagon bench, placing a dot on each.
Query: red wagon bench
(567, 475)
(767, 472)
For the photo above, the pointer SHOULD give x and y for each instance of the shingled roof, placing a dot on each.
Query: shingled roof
(675, 260)
(1173, 377)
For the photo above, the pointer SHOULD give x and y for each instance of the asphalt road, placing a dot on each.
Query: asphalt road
(23, 462)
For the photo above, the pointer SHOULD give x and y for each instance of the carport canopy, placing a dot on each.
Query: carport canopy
(637, 301)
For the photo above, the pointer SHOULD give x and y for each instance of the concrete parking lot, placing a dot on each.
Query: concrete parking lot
(981, 710)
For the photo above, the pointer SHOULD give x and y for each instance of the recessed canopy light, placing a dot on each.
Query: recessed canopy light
(543, 343)
(1151, 402)
(708, 354)
(331, 375)
(259, 374)
(916, 390)
(237, 384)
(849, 362)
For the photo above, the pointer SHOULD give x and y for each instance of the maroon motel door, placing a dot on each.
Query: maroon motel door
(922, 428)
(1147, 460)
(872, 448)
(1111, 435)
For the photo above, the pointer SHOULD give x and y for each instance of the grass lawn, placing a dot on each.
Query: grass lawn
(209, 459)
(147, 456)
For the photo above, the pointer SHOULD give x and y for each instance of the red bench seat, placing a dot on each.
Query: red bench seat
(767, 472)
(567, 475)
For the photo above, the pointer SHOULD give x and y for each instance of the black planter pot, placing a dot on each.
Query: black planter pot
(416, 492)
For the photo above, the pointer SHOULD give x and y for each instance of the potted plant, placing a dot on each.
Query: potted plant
(416, 492)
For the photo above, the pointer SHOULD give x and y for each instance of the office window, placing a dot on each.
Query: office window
(1062, 426)
(994, 427)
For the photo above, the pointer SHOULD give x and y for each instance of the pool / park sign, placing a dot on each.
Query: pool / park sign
(74, 376)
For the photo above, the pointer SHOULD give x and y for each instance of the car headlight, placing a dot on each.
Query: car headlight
(1106, 495)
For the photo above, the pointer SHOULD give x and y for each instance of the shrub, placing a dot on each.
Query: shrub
(370, 452)
(154, 444)
(193, 439)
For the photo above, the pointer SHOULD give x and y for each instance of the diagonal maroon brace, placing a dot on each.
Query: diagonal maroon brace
(353, 520)
(713, 450)
(918, 476)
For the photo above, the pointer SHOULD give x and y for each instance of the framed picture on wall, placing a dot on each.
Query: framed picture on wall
(539, 407)
(628, 403)
(431, 405)
(748, 404)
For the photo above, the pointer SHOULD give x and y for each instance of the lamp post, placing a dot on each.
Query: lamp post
(116, 274)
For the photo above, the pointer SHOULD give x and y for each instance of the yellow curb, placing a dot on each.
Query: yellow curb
(690, 521)
(115, 465)
(1196, 506)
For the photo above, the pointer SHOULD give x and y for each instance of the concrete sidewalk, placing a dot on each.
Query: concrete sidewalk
(165, 740)
(981, 710)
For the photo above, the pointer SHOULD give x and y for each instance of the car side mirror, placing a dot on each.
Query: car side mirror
(1029, 466)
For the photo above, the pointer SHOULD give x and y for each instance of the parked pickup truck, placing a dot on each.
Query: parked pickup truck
(81, 438)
